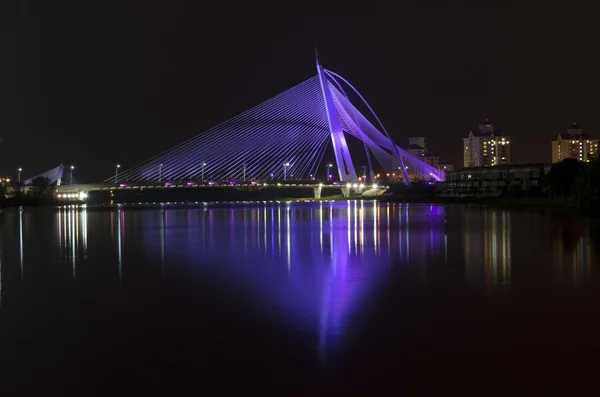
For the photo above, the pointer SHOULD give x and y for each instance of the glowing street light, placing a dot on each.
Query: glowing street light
(19, 174)
(72, 168)
(117, 172)
(285, 167)
(203, 165)
(329, 172)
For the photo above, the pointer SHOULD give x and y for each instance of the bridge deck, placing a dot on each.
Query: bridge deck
(233, 184)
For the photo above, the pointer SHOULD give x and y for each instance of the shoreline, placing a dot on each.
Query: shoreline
(548, 204)
(561, 205)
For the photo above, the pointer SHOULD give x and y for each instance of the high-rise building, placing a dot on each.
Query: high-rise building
(486, 147)
(418, 148)
(574, 144)
(446, 167)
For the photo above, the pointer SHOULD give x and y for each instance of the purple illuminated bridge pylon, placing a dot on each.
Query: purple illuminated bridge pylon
(284, 138)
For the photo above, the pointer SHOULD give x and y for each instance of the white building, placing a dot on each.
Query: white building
(486, 147)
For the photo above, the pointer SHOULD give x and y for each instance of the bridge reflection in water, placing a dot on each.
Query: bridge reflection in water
(315, 265)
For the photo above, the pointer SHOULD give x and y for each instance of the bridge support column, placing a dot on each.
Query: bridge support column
(346, 191)
(317, 191)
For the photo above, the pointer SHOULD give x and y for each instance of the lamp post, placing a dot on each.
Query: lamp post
(285, 166)
(364, 168)
(203, 165)
(72, 168)
(329, 172)
(244, 172)
(160, 173)
(19, 174)
(117, 172)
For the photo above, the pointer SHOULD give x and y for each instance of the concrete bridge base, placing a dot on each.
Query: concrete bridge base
(317, 191)
(373, 192)
(346, 191)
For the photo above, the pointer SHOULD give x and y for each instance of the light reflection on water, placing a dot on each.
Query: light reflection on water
(315, 264)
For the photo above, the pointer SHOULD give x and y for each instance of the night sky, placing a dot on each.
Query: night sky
(96, 83)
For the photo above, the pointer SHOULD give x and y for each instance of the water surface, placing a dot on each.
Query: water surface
(310, 296)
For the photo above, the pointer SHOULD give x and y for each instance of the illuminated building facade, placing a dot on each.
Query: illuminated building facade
(486, 147)
(574, 144)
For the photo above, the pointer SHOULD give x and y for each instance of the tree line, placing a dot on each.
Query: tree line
(578, 181)
(38, 191)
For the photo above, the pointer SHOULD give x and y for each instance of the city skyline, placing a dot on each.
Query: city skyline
(120, 95)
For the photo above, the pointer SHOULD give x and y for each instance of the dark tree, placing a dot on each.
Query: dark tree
(586, 189)
(562, 176)
(40, 186)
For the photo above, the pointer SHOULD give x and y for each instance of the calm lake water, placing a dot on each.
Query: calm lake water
(297, 298)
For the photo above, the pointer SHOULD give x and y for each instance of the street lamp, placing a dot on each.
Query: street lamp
(19, 174)
(329, 172)
(72, 168)
(364, 168)
(160, 173)
(117, 172)
(244, 176)
(285, 166)
(203, 165)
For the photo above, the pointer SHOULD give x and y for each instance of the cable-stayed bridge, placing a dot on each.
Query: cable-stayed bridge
(278, 143)
(283, 138)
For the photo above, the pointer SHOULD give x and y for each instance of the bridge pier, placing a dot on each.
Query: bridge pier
(317, 191)
(346, 191)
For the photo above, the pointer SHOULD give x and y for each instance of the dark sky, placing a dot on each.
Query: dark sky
(93, 83)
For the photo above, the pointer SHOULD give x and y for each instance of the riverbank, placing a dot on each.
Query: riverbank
(553, 204)
(28, 201)
(561, 205)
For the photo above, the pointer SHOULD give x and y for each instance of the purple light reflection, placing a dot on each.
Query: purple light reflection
(299, 261)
